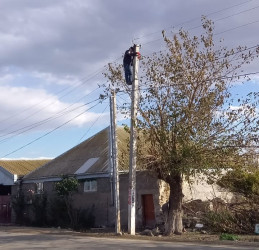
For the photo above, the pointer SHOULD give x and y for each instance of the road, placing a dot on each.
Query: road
(39, 240)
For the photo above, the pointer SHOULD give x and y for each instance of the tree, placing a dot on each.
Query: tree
(187, 114)
(65, 189)
(242, 182)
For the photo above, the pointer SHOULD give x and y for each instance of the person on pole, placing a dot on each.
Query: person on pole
(128, 62)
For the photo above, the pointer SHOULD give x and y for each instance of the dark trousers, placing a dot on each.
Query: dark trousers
(128, 74)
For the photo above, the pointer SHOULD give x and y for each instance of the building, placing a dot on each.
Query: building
(90, 163)
(10, 171)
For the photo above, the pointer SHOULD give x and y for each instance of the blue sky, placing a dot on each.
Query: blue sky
(54, 52)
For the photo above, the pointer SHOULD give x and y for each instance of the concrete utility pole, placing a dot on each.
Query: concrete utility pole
(115, 162)
(133, 148)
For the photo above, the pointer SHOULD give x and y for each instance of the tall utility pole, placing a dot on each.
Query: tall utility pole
(115, 162)
(133, 148)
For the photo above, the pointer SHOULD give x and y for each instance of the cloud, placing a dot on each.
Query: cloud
(6, 78)
(53, 44)
(36, 110)
(72, 38)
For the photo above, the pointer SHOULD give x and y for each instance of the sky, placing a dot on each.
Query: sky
(54, 52)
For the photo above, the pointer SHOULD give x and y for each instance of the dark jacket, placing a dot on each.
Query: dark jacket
(128, 57)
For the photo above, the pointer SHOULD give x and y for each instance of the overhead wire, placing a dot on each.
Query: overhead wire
(38, 110)
(194, 27)
(194, 19)
(51, 131)
(221, 19)
(84, 135)
(49, 118)
(73, 88)
(82, 82)
(240, 26)
(213, 79)
(35, 125)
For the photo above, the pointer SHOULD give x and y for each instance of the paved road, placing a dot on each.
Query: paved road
(39, 240)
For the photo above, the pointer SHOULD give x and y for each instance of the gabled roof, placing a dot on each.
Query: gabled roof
(22, 167)
(89, 157)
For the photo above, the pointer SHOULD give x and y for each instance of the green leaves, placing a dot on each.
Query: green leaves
(243, 182)
(66, 186)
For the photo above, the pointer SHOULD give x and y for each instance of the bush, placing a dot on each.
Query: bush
(242, 182)
(39, 208)
(18, 205)
(82, 218)
(86, 219)
(236, 219)
(58, 216)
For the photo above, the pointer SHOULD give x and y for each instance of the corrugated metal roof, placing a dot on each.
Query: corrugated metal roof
(97, 146)
(22, 167)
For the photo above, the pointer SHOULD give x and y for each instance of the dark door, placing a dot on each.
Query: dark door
(148, 211)
(5, 209)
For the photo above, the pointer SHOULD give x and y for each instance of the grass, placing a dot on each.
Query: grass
(225, 236)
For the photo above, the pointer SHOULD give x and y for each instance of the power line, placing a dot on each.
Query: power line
(222, 32)
(73, 88)
(35, 125)
(240, 26)
(93, 124)
(213, 79)
(194, 19)
(38, 111)
(40, 137)
(198, 26)
(84, 81)
(192, 28)
(231, 54)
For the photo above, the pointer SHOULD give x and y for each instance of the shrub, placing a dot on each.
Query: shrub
(18, 205)
(58, 213)
(39, 208)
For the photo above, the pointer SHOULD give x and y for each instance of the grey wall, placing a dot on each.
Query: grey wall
(102, 200)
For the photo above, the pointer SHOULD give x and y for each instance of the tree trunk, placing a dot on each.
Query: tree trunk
(174, 224)
(68, 202)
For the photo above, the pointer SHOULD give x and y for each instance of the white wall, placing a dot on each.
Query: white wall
(201, 190)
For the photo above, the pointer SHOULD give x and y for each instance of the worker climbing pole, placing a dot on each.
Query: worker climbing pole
(128, 60)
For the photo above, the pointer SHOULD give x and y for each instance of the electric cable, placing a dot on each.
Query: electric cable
(73, 88)
(44, 135)
(194, 19)
(84, 135)
(36, 112)
(198, 26)
(232, 29)
(35, 125)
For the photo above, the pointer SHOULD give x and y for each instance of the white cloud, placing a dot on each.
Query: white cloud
(6, 78)
(47, 45)
(53, 79)
(34, 109)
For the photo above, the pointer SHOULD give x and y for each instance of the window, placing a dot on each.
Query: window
(90, 186)
(39, 186)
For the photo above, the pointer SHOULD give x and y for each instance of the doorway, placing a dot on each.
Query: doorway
(148, 211)
(5, 204)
